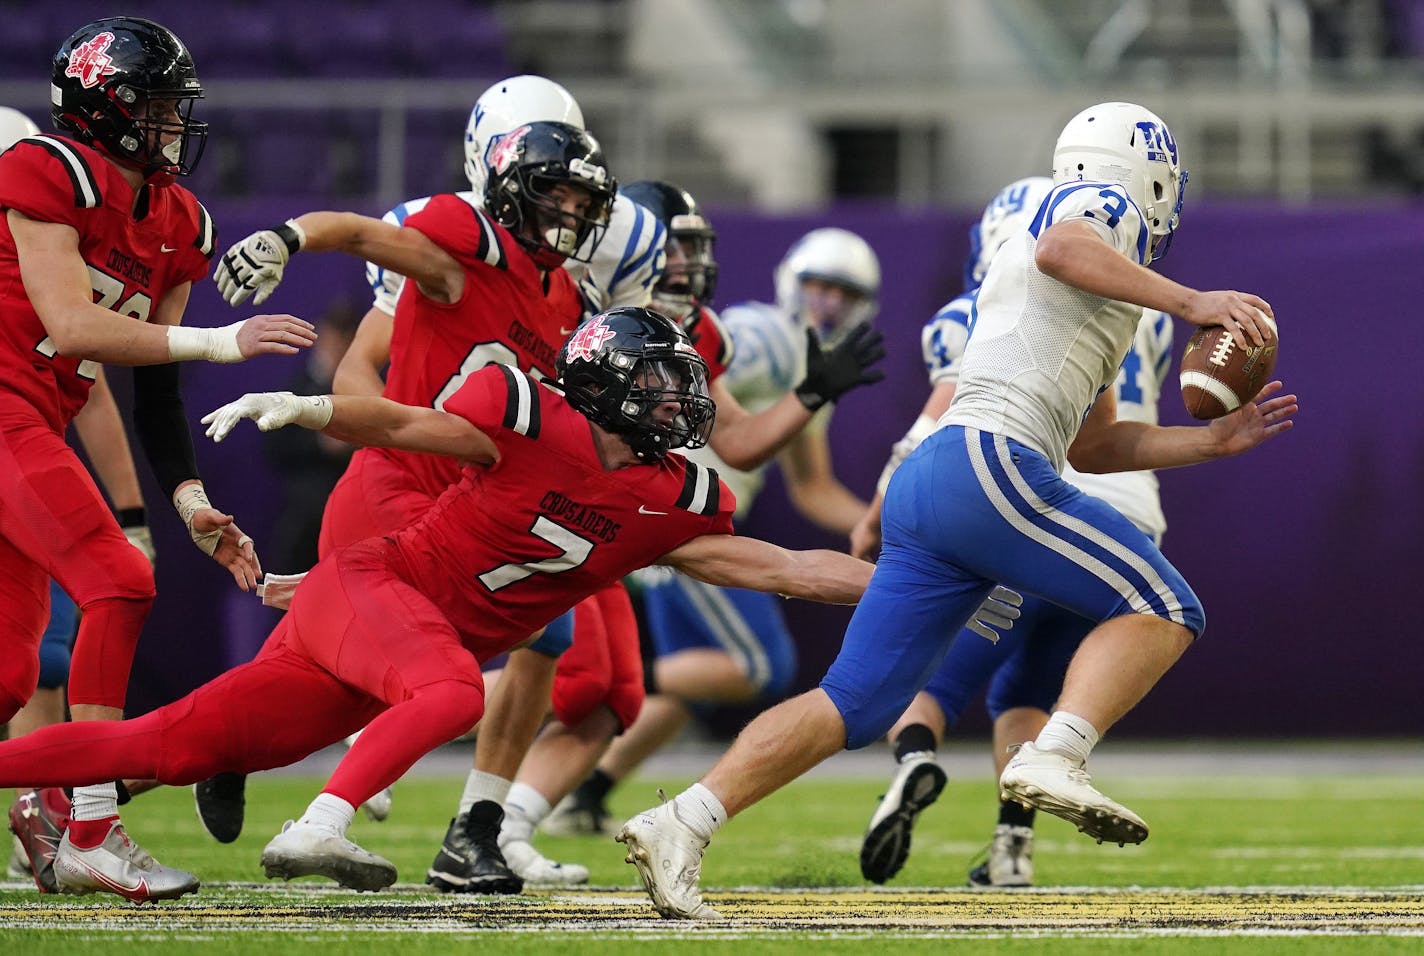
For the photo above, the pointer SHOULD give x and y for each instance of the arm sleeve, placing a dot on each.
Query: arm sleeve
(943, 340)
(1106, 207)
(162, 425)
(47, 180)
(456, 224)
(486, 396)
(198, 256)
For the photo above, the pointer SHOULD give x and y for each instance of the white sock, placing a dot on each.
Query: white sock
(330, 812)
(483, 786)
(96, 802)
(1069, 735)
(523, 809)
(700, 809)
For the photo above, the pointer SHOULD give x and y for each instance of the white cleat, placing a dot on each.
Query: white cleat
(1010, 861)
(668, 856)
(536, 869)
(118, 866)
(379, 807)
(307, 850)
(19, 865)
(1061, 786)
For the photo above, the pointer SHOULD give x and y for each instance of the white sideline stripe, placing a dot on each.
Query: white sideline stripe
(1213, 387)
(1072, 552)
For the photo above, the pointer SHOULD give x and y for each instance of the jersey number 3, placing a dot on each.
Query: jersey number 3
(575, 552)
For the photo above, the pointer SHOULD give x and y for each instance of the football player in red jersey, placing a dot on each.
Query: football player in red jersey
(564, 754)
(565, 490)
(486, 287)
(98, 249)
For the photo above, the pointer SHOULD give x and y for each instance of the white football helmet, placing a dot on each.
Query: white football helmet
(1129, 144)
(14, 126)
(1008, 213)
(507, 105)
(841, 258)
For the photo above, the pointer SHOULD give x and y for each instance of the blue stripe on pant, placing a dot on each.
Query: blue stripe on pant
(967, 510)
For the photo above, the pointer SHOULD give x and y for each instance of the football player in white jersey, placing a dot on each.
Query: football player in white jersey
(1026, 658)
(981, 502)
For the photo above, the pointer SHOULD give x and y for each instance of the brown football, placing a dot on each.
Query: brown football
(1218, 376)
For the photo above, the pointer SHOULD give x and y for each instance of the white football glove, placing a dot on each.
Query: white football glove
(276, 590)
(998, 613)
(270, 410)
(255, 264)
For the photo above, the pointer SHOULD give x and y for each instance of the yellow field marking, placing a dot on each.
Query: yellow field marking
(1127, 913)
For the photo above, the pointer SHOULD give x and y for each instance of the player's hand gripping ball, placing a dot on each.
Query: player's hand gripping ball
(1218, 376)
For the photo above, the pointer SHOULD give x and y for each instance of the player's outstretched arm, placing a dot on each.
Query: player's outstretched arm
(253, 267)
(1105, 445)
(732, 561)
(360, 420)
(59, 287)
(745, 441)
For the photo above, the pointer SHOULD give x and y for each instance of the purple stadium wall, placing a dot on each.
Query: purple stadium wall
(1304, 552)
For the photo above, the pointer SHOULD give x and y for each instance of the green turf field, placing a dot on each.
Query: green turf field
(1235, 864)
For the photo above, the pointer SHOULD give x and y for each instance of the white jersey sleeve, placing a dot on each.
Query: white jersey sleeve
(627, 262)
(1042, 350)
(1139, 392)
(768, 360)
(944, 338)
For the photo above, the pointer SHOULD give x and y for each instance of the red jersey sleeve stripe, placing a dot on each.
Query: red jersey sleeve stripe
(700, 490)
(207, 237)
(490, 249)
(81, 177)
(521, 409)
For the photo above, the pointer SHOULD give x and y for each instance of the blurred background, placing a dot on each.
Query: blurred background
(1301, 122)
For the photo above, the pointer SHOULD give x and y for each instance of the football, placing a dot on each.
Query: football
(1218, 376)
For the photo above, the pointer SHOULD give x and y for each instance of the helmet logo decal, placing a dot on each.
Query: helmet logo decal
(89, 62)
(1161, 147)
(589, 340)
(504, 150)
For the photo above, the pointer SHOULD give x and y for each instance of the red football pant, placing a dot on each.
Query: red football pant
(359, 648)
(374, 497)
(55, 523)
(604, 665)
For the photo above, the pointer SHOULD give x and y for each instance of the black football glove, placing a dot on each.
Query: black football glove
(829, 375)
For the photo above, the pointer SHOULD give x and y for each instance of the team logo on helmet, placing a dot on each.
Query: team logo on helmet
(589, 340)
(1161, 147)
(90, 62)
(504, 150)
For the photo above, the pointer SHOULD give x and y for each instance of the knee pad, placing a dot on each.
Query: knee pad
(577, 693)
(625, 698)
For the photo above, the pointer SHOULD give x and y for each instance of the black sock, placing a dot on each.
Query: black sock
(1015, 814)
(123, 791)
(595, 787)
(914, 739)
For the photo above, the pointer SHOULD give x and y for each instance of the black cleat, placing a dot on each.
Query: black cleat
(221, 801)
(886, 847)
(470, 860)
